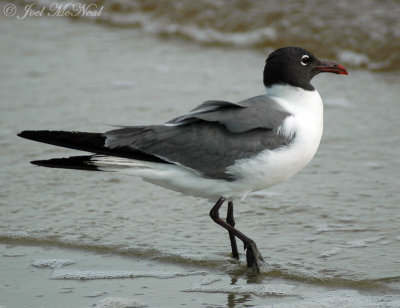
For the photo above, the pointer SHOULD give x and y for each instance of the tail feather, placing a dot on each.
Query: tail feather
(89, 142)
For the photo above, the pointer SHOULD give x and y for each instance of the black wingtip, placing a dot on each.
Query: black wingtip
(84, 141)
(37, 135)
(89, 142)
(24, 134)
(74, 162)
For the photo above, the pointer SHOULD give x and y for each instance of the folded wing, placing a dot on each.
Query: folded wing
(210, 138)
(207, 140)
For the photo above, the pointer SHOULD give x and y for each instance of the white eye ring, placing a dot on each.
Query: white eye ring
(305, 60)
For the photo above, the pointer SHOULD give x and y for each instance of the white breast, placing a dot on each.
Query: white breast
(274, 166)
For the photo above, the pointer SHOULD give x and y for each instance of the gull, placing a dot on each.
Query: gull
(220, 150)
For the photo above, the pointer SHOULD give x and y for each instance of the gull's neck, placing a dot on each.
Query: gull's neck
(297, 100)
(286, 91)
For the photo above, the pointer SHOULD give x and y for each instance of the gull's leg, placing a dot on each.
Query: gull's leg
(231, 221)
(253, 255)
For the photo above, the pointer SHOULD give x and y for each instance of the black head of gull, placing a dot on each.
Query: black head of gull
(296, 66)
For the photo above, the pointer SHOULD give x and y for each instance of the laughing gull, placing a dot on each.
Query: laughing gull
(220, 150)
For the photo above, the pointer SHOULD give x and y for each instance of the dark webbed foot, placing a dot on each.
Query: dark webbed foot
(253, 256)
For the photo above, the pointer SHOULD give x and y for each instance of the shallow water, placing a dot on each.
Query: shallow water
(330, 235)
(359, 33)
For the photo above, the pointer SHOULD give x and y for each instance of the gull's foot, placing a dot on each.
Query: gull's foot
(253, 256)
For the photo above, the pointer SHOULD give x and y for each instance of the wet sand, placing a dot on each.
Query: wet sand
(48, 276)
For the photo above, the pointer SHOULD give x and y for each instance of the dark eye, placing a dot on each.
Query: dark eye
(305, 60)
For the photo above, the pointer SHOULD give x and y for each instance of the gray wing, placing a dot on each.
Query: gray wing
(210, 138)
(256, 112)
